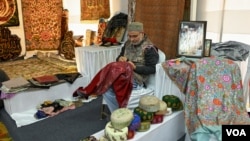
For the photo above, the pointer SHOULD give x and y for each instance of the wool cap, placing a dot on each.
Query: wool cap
(135, 26)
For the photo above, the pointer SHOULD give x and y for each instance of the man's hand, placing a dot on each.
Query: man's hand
(133, 65)
(122, 59)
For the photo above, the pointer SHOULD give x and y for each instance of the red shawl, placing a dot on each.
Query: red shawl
(115, 74)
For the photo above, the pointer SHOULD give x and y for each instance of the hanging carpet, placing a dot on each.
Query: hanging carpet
(10, 47)
(42, 24)
(9, 13)
(95, 9)
(161, 22)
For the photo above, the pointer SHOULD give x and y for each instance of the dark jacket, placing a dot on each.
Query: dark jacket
(147, 55)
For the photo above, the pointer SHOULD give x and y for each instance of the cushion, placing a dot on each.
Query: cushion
(173, 102)
(121, 118)
(145, 116)
(149, 103)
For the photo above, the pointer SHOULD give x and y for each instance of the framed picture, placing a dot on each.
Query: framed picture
(191, 40)
(208, 43)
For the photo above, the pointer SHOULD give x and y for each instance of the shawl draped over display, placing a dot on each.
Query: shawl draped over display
(117, 75)
(213, 95)
(214, 98)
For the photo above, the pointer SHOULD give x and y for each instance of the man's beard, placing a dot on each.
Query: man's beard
(138, 42)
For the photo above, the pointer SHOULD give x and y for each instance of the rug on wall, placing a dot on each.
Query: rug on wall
(9, 13)
(42, 24)
(161, 22)
(95, 9)
(10, 47)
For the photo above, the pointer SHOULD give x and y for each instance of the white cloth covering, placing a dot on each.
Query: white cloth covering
(22, 106)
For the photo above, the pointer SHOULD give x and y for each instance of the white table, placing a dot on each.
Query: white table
(91, 59)
(30, 99)
(168, 130)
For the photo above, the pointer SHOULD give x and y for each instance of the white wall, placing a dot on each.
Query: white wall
(18, 30)
(229, 17)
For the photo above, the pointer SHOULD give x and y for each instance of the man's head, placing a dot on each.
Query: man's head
(135, 32)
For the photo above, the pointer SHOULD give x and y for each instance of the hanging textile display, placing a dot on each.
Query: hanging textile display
(95, 9)
(159, 19)
(9, 13)
(42, 24)
(10, 47)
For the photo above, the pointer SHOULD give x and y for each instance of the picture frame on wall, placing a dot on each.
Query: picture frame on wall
(207, 51)
(191, 40)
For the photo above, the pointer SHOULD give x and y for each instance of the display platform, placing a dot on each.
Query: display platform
(30, 99)
(170, 129)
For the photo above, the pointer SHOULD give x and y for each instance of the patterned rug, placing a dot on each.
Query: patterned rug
(9, 13)
(95, 9)
(37, 66)
(4, 134)
(42, 24)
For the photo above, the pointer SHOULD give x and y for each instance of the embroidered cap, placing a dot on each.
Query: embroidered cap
(135, 26)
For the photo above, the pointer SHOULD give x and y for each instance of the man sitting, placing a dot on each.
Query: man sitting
(137, 60)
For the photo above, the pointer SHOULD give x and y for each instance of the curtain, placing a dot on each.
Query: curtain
(161, 22)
